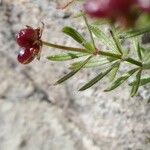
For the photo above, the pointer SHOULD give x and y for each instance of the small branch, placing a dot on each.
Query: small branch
(133, 61)
(65, 5)
(130, 60)
(64, 47)
(108, 54)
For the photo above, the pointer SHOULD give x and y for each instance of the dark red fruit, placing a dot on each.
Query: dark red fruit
(27, 37)
(26, 55)
(144, 5)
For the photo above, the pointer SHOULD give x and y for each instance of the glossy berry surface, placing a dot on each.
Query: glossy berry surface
(26, 55)
(26, 37)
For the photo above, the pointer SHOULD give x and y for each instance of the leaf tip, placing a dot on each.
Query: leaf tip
(81, 89)
(132, 95)
(56, 83)
(106, 90)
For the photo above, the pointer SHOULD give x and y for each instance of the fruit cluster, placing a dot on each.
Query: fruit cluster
(124, 12)
(29, 41)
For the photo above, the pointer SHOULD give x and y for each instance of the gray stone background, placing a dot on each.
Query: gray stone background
(35, 115)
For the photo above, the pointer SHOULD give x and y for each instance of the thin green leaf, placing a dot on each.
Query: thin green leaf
(135, 32)
(69, 75)
(121, 79)
(77, 37)
(103, 38)
(146, 55)
(90, 32)
(147, 58)
(64, 57)
(88, 46)
(95, 80)
(74, 34)
(146, 66)
(116, 41)
(137, 84)
(114, 71)
(100, 22)
(92, 63)
(143, 81)
(142, 20)
(137, 47)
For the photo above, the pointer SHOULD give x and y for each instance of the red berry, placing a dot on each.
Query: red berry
(26, 37)
(26, 55)
(144, 5)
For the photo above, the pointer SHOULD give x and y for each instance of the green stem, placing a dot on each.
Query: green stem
(108, 54)
(133, 61)
(64, 47)
(130, 60)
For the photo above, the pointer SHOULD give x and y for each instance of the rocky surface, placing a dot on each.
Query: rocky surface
(35, 115)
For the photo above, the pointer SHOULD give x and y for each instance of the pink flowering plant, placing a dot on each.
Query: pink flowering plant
(127, 20)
